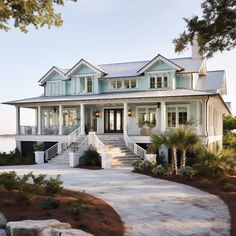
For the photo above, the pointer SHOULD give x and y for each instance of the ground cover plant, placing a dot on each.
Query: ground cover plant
(15, 158)
(45, 198)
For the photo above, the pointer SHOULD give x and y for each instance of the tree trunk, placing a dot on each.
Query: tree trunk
(174, 161)
(183, 158)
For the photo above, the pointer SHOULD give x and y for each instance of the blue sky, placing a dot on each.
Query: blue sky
(101, 31)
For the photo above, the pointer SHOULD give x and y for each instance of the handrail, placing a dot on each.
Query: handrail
(135, 148)
(60, 146)
(97, 143)
(51, 152)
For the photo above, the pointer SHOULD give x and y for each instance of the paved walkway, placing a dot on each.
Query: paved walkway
(148, 206)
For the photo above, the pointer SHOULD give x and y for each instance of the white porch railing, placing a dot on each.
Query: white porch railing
(28, 130)
(135, 148)
(60, 146)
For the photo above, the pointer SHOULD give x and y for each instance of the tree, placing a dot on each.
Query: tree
(170, 141)
(29, 12)
(186, 140)
(229, 123)
(216, 30)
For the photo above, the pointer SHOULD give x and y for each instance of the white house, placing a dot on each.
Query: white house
(131, 98)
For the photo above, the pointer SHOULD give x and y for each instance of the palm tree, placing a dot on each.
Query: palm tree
(186, 140)
(168, 139)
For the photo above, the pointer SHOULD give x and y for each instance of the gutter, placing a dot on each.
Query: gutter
(206, 124)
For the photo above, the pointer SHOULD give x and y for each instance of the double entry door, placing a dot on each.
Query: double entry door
(113, 120)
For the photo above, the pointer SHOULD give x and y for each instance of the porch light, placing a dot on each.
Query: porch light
(129, 112)
(54, 109)
(97, 114)
(158, 105)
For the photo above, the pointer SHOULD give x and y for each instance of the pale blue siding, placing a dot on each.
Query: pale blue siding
(183, 81)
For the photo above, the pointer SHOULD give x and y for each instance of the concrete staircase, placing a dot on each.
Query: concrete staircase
(121, 155)
(79, 146)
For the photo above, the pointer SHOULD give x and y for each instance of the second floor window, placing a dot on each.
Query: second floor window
(83, 84)
(123, 84)
(159, 81)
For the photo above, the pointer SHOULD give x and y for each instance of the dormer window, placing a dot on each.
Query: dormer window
(158, 80)
(83, 84)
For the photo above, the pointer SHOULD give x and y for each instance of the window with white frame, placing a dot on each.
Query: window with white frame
(147, 115)
(54, 88)
(123, 84)
(83, 84)
(177, 115)
(159, 80)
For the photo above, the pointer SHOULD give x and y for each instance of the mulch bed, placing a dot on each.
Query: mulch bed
(99, 218)
(214, 188)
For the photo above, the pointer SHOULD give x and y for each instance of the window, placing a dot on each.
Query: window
(123, 84)
(83, 84)
(69, 117)
(177, 116)
(147, 115)
(133, 83)
(152, 82)
(159, 80)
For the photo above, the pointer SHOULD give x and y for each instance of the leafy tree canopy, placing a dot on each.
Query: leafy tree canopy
(29, 12)
(229, 122)
(216, 29)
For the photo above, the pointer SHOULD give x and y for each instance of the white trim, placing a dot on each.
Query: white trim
(45, 77)
(155, 59)
(162, 75)
(83, 62)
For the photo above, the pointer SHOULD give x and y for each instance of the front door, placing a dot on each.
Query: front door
(113, 120)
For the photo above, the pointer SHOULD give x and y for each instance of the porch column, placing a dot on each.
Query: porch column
(82, 120)
(17, 120)
(60, 119)
(39, 120)
(125, 117)
(163, 116)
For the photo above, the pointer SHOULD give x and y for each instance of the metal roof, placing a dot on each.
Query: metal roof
(113, 96)
(128, 69)
(213, 81)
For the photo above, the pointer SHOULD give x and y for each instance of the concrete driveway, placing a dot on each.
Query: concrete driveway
(148, 206)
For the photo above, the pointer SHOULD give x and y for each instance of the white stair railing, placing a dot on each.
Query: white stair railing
(135, 148)
(97, 143)
(60, 146)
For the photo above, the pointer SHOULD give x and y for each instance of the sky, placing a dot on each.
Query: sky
(103, 31)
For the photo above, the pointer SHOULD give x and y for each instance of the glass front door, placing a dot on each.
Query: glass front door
(113, 120)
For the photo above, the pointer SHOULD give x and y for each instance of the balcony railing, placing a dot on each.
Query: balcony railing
(28, 130)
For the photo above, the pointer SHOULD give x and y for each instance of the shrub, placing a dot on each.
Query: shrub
(91, 157)
(25, 198)
(39, 180)
(145, 165)
(77, 208)
(227, 187)
(135, 164)
(53, 186)
(51, 203)
(39, 146)
(186, 173)
(205, 183)
(9, 180)
(158, 170)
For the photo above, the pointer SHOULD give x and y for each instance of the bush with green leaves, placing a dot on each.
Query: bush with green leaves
(204, 183)
(90, 158)
(51, 203)
(158, 170)
(39, 180)
(136, 164)
(77, 208)
(227, 187)
(53, 186)
(186, 173)
(25, 198)
(9, 180)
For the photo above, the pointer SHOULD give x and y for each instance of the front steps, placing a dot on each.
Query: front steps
(79, 146)
(121, 155)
